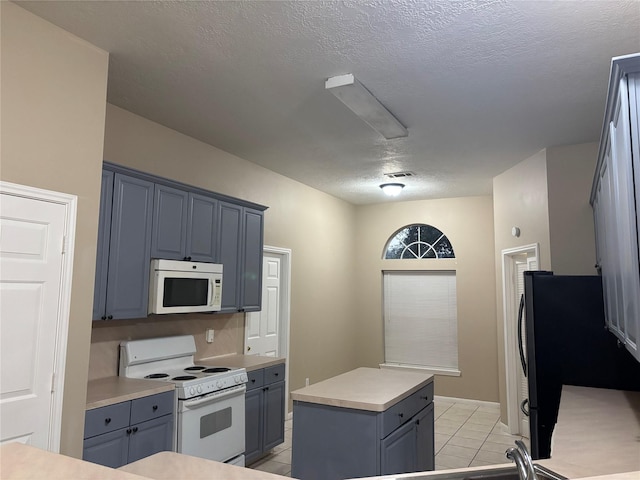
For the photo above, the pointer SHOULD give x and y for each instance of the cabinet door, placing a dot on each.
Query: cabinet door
(202, 228)
(129, 248)
(425, 449)
(251, 299)
(626, 219)
(229, 248)
(273, 415)
(102, 253)
(151, 437)
(169, 238)
(253, 403)
(109, 449)
(398, 451)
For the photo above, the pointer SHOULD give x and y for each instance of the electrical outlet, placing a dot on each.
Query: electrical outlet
(210, 335)
(306, 382)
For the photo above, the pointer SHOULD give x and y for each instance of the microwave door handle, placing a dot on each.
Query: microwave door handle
(210, 296)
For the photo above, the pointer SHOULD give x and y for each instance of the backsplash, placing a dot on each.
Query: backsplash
(106, 337)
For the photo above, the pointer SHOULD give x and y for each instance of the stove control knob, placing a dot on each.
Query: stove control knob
(219, 384)
(236, 379)
(244, 378)
(199, 389)
(192, 391)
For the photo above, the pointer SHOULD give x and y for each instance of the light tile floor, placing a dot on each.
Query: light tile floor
(467, 434)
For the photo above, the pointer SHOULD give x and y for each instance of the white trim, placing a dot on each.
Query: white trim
(285, 312)
(470, 401)
(417, 368)
(70, 203)
(509, 310)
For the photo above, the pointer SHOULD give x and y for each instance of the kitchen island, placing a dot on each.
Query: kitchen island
(362, 423)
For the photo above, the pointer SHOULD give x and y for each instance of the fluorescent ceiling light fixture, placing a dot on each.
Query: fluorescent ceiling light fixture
(392, 189)
(355, 96)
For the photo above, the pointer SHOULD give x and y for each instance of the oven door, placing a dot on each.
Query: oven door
(212, 426)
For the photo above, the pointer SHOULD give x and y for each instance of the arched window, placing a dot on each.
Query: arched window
(418, 241)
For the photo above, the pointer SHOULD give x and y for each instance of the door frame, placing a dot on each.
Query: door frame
(70, 202)
(510, 330)
(285, 308)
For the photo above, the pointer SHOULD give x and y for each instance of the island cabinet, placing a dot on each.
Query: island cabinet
(265, 410)
(124, 244)
(122, 433)
(363, 423)
(615, 198)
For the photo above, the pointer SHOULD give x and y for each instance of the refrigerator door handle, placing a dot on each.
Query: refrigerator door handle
(523, 406)
(520, 347)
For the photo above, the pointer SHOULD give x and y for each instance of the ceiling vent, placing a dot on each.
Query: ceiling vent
(399, 174)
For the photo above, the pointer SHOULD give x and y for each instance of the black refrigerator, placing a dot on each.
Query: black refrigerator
(567, 343)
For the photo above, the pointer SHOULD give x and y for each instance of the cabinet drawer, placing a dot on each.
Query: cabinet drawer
(153, 406)
(401, 412)
(106, 419)
(256, 379)
(274, 374)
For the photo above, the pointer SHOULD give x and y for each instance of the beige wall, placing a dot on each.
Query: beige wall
(317, 227)
(520, 199)
(547, 197)
(570, 172)
(468, 223)
(53, 107)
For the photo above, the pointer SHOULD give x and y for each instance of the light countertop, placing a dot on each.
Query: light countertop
(599, 428)
(371, 389)
(175, 466)
(597, 436)
(249, 362)
(21, 462)
(112, 390)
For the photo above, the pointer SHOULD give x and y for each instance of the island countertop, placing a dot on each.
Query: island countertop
(371, 389)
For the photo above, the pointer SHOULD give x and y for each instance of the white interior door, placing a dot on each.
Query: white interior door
(522, 265)
(31, 261)
(262, 329)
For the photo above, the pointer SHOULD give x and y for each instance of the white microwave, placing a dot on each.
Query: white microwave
(184, 287)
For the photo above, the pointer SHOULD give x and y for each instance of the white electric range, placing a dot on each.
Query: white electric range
(210, 407)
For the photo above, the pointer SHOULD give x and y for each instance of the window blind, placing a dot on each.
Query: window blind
(420, 319)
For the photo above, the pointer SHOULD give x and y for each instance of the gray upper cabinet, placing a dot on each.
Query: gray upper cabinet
(614, 196)
(184, 225)
(169, 238)
(102, 255)
(202, 221)
(129, 248)
(252, 262)
(230, 231)
(240, 244)
(144, 217)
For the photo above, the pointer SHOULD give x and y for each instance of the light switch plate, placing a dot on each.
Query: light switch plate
(210, 335)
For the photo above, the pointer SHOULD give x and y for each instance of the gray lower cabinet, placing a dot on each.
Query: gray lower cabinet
(128, 431)
(124, 245)
(265, 407)
(332, 443)
(240, 251)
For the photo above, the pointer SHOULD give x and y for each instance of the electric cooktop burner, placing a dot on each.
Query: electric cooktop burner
(195, 368)
(157, 375)
(184, 377)
(216, 370)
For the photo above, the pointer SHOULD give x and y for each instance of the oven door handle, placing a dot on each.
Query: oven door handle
(235, 391)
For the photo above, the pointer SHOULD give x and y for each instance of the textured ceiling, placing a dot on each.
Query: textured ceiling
(480, 85)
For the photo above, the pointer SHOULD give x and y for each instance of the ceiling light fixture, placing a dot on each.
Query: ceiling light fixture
(392, 189)
(356, 96)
